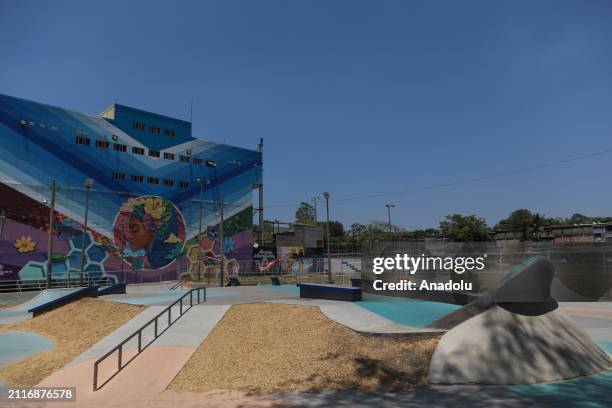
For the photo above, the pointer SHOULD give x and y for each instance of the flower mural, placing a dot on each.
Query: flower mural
(24, 244)
(151, 231)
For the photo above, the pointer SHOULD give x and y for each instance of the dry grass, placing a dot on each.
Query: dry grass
(73, 328)
(273, 347)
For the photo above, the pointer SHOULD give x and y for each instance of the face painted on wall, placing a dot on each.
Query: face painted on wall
(138, 236)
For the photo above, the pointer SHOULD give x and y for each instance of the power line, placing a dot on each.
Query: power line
(465, 181)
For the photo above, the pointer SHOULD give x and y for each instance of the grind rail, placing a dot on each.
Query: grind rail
(193, 299)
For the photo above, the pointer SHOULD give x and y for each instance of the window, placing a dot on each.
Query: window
(169, 132)
(184, 158)
(137, 179)
(119, 147)
(102, 144)
(153, 153)
(169, 156)
(154, 129)
(138, 150)
(197, 160)
(55, 127)
(168, 182)
(183, 184)
(118, 176)
(82, 140)
(152, 180)
(138, 125)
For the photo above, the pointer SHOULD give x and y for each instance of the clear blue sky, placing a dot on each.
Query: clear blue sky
(352, 97)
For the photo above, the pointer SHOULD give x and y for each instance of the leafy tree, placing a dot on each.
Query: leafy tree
(305, 214)
(578, 218)
(519, 220)
(336, 229)
(461, 228)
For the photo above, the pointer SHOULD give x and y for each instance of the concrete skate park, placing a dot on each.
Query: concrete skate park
(512, 346)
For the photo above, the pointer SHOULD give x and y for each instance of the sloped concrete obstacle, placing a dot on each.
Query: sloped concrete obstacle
(514, 334)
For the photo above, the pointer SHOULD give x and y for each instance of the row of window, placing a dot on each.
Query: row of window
(24, 122)
(153, 129)
(151, 180)
(103, 144)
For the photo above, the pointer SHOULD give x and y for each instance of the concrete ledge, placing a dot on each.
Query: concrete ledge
(330, 292)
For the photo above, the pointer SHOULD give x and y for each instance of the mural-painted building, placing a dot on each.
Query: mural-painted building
(144, 205)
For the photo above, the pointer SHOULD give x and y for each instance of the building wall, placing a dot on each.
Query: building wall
(134, 225)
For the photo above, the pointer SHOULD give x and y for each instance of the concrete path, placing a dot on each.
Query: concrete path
(142, 381)
(359, 319)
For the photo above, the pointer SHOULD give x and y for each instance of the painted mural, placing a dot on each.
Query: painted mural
(139, 228)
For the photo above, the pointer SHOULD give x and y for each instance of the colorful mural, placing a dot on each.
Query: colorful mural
(143, 211)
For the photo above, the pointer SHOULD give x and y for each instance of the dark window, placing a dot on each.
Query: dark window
(138, 150)
(102, 144)
(154, 129)
(152, 180)
(169, 156)
(138, 179)
(118, 176)
(82, 140)
(138, 125)
(183, 184)
(168, 182)
(169, 132)
(184, 158)
(153, 153)
(119, 147)
(197, 160)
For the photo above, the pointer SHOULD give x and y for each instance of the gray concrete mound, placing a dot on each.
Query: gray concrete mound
(514, 334)
(501, 347)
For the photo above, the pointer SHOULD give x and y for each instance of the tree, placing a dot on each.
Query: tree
(461, 228)
(538, 222)
(336, 229)
(305, 214)
(578, 218)
(519, 220)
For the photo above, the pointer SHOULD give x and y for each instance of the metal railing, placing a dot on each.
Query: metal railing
(201, 297)
(41, 284)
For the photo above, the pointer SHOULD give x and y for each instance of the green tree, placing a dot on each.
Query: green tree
(519, 220)
(459, 228)
(305, 214)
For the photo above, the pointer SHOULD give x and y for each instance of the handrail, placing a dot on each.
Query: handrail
(119, 348)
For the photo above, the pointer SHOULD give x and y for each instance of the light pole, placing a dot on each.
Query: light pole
(88, 183)
(200, 182)
(221, 238)
(50, 238)
(389, 206)
(329, 275)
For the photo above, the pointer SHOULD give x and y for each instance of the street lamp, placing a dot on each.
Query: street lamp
(201, 183)
(88, 184)
(389, 206)
(329, 275)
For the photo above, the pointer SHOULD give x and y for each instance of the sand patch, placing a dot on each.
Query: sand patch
(73, 328)
(268, 347)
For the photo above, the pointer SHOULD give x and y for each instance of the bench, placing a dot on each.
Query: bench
(329, 292)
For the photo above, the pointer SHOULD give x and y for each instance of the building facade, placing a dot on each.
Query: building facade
(146, 186)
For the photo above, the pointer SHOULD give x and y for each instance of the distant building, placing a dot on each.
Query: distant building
(599, 232)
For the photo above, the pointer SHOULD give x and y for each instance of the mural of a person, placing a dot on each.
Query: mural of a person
(152, 228)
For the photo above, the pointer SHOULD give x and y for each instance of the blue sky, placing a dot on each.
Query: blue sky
(352, 97)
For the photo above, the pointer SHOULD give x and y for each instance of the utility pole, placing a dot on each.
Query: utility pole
(261, 199)
(50, 237)
(221, 238)
(199, 180)
(122, 249)
(88, 183)
(389, 206)
(314, 201)
(2, 218)
(329, 274)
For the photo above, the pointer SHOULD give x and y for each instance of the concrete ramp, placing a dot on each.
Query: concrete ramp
(20, 312)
